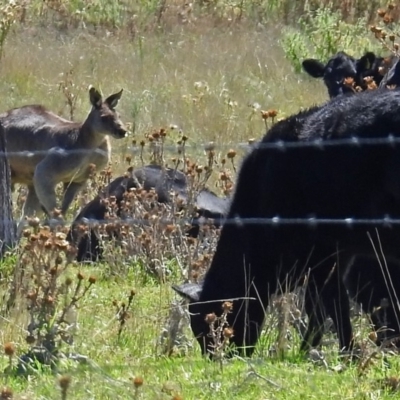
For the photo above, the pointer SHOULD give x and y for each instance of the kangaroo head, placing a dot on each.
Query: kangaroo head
(103, 117)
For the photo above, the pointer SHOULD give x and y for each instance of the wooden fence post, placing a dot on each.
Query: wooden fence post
(7, 225)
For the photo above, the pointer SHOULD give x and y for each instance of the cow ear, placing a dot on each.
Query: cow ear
(190, 291)
(366, 61)
(314, 67)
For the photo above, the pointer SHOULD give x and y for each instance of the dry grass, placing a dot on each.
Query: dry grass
(206, 83)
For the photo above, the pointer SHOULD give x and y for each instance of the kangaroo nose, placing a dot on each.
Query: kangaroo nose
(122, 132)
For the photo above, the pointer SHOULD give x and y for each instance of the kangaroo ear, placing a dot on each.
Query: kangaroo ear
(113, 100)
(95, 97)
(190, 291)
(313, 67)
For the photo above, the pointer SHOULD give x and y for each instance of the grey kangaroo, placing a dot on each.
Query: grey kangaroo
(61, 150)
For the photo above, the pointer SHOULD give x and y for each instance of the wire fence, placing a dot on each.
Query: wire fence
(314, 221)
(280, 145)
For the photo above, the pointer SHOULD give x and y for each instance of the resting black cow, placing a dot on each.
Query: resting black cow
(375, 285)
(208, 204)
(342, 66)
(312, 181)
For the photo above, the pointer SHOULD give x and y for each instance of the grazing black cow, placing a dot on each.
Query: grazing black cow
(208, 205)
(375, 285)
(342, 66)
(293, 173)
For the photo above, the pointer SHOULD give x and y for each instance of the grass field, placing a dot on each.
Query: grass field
(209, 79)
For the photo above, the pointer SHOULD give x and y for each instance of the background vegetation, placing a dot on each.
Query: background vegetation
(204, 70)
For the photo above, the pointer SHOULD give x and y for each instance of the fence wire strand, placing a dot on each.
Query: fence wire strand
(321, 144)
(318, 143)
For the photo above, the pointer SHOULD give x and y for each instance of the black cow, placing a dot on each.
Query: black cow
(295, 174)
(375, 285)
(207, 203)
(342, 66)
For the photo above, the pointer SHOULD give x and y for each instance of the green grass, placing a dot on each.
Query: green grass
(211, 81)
(113, 362)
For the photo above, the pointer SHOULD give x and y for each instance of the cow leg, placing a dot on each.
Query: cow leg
(89, 247)
(316, 319)
(327, 297)
(337, 306)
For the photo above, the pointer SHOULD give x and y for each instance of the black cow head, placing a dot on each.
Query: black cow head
(338, 68)
(200, 328)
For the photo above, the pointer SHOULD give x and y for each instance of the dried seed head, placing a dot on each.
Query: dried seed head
(195, 275)
(26, 233)
(169, 229)
(30, 339)
(80, 276)
(137, 381)
(32, 296)
(9, 349)
(272, 113)
(210, 318)
(34, 222)
(231, 154)
(92, 280)
(62, 244)
(373, 336)
(64, 381)
(227, 306)
(6, 394)
(349, 81)
(381, 12)
(375, 29)
(228, 333)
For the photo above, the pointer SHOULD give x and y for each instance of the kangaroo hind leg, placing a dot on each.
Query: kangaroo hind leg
(32, 207)
(45, 185)
(71, 189)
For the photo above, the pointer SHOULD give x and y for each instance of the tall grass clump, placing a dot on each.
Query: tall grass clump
(321, 33)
